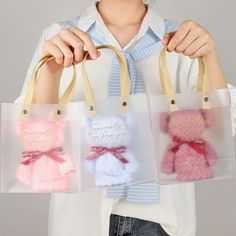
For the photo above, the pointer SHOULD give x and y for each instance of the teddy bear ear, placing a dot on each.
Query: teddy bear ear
(209, 117)
(86, 121)
(128, 118)
(19, 127)
(164, 122)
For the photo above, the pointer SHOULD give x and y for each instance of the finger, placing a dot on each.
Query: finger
(89, 57)
(167, 38)
(188, 40)
(67, 53)
(53, 50)
(77, 46)
(201, 51)
(196, 44)
(86, 40)
(179, 36)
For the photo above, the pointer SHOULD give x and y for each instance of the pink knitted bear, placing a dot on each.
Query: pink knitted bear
(45, 165)
(188, 155)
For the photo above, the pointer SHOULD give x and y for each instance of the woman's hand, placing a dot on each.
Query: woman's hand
(194, 41)
(190, 39)
(68, 47)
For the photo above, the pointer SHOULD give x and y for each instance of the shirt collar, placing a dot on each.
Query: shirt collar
(87, 18)
(155, 22)
(151, 19)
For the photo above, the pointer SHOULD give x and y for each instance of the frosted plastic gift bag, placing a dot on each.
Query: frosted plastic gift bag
(232, 90)
(117, 147)
(36, 143)
(192, 131)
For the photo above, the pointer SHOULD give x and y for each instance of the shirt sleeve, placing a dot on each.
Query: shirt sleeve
(48, 33)
(171, 26)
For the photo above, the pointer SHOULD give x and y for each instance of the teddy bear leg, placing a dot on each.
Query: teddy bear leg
(57, 185)
(194, 175)
(102, 180)
(105, 180)
(208, 173)
(185, 177)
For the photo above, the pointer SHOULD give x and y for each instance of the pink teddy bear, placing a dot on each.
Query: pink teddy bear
(188, 155)
(45, 165)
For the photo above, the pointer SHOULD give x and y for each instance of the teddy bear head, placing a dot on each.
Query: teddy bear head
(41, 135)
(188, 125)
(109, 131)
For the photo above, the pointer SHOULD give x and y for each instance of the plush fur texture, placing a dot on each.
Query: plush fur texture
(110, 132)
(45, 174)
(188, 155)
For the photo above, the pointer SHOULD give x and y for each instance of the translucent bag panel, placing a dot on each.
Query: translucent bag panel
(193, 144)
(37, 153)
(117, 148)
(233, 120)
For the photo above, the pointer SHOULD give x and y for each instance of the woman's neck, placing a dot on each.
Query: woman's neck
(122, 13)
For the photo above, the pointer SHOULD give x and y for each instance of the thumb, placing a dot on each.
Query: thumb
(167, 38)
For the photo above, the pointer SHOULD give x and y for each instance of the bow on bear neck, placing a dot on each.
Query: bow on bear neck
(33, 156)
(116, 151)
(196, 145)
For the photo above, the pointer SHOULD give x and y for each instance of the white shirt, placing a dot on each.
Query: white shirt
(87, 213)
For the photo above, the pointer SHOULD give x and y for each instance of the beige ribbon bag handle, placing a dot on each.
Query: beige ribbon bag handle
(125, 82)
(203, 85)
(29, 98)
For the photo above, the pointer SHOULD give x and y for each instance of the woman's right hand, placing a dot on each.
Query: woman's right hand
(68, 47)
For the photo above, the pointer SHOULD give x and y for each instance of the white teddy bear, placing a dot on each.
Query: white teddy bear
(111, 161)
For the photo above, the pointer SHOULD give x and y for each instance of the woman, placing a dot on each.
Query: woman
(123, 23)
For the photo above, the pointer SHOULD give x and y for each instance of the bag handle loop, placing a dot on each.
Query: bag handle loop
(203, 85)
(66, 97)
(125, 82)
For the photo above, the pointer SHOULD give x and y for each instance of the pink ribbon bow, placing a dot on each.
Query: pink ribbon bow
(197, 145)
(116, 151)
(33, 156)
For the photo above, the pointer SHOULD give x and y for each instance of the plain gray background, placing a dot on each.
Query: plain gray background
(22, 23)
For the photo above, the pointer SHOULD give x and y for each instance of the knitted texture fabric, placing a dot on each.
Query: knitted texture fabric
(111, 162)
(45, 166)
(188, 155)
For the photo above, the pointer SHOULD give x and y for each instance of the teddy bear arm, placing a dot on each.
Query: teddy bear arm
(167, 163)
(24, 174)
(211, 155)
(67, 167)
(132, 164)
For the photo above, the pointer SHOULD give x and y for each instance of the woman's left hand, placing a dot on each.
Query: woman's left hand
(190, 39)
